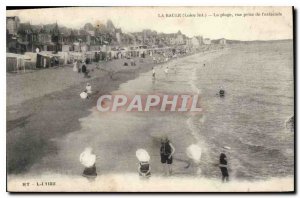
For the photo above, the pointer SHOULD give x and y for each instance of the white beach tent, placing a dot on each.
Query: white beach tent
(15, 62)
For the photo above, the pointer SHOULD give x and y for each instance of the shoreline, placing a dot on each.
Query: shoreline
(66, 147)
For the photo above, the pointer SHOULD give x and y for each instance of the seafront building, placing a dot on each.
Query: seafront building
(49, 45)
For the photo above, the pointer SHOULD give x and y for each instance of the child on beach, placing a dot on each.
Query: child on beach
(84, 95)
(144, 168)
(88, 88)
(75, 67)
(88, 160)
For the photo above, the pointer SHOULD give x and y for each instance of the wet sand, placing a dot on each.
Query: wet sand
(33, 123)
(36, 124)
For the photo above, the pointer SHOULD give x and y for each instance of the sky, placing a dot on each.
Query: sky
(220, 22)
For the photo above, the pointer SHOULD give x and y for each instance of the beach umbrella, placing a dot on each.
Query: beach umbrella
(142, 155)
(194, 152)
(86, 158)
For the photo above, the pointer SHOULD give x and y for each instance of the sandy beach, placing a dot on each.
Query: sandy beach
(44, 106)
(128, 182)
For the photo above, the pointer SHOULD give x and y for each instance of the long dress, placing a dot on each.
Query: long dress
(75, 68)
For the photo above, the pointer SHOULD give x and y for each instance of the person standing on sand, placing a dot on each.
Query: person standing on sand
(166, 71)
(79, 66)
(144, 169)
(84, 95)
(154, 59)
(84, 70)
(224, 167)
(88, 88)
(88, 159)
(75, 67)
(167, 151)
(153, 72)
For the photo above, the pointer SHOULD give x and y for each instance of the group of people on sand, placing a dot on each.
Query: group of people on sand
(132, 62)
(167, 150)
(166, 71)
(80, 67)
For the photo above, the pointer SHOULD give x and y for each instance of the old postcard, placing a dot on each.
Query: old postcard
(150, 99)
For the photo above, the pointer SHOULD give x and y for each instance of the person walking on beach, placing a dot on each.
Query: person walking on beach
(85, 71)
(153, 72)
(75, 67)
(84, 95)
(88, 159)
(88, 88)
(167, 151)
(166, 71)
(221, 92)
(224, 167)
(144, 168)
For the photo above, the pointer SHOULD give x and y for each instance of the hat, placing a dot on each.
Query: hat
(142, 155)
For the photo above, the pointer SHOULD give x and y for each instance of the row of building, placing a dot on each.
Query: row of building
(25, 37)
(103, 41)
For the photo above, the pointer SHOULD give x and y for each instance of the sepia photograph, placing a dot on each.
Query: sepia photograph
(150, 99)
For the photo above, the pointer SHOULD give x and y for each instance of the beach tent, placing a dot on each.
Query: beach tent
(64, 57)
(65, 48)
(46, 59)
(31, 55)
(76, 56)
(15, 62)
(89, 56)
(43, 61)
(30, 60)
